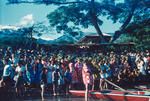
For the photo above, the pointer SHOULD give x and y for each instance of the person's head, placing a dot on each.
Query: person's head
(62, 60)
(40, 60)
(20, 63)
(78, 60)
(6, 60)
(57, 70)
(71, 64)
(44, 70)
(67, 69)
(102, 62)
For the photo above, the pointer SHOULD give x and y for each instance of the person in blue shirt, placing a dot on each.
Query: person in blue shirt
(68, 79)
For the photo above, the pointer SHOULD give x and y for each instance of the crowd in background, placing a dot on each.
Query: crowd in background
(62, 70)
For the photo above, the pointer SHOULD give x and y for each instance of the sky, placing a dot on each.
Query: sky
(23, 14)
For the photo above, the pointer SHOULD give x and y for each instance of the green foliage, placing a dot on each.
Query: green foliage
(132, 6)
(80, 17)
(139, 28)
(139, 33)
(69, 18)
(71, 15)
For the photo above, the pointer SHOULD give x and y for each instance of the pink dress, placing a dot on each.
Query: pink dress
(87, 77)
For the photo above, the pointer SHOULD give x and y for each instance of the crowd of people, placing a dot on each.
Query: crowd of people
(61, 70)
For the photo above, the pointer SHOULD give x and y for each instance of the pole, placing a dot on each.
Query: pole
(118, 87)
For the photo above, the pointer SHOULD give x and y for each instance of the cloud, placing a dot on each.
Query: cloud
(24, 21)
(8, 27)
(27, 20)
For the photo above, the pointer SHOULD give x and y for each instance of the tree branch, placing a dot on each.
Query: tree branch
(94, 20)
(47, 2)
(130, 15)
(126, 23)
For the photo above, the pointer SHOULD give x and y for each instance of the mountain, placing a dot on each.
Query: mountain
(42, 41)
(12, 35)
(64, 39)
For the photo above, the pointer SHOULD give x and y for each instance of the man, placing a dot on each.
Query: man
(6, 81)
(6, 72)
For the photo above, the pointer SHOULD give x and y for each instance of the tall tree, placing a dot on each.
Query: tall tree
(84, 13)
(133, 11)
(71, 15)
(137, 32)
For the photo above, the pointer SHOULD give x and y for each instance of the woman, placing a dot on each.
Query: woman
(43, 81)
(86, 75)
(87, 78)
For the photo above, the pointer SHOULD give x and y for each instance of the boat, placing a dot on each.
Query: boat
(143, 88)
(114, 95)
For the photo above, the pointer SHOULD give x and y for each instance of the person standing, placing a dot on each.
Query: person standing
(39, 68)
(19, 78)
(6, 80)
(43, 81)
(49, 79)
(87, 78)
(74, 81)
(55, 78)
(6, 73)
(68, 79)
(78, 68)
(103, 76)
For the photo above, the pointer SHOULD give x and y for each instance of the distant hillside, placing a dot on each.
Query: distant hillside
(12, 36)
(64, 39)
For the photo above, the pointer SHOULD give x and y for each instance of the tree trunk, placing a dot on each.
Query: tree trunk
(31, 36)
(31, 39)
(125, 24)
(130, 15)
(94, 21)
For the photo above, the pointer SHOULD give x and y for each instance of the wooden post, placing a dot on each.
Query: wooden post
(86, 93)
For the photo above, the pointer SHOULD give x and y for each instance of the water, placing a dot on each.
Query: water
(60, 98)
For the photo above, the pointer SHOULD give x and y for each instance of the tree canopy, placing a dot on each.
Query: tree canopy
(72, 15)
(139, 33)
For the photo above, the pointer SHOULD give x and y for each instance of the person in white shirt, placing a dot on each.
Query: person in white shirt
(20, 79)
(6, 73)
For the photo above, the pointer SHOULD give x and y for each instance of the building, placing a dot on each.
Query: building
(91, 42)
(93, 38)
